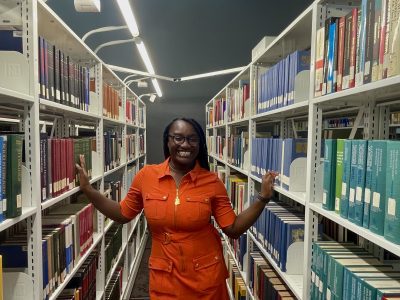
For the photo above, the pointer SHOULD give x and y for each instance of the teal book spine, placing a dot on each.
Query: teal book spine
(328, 199)
(392, 208)
(378, 188)
(360, 185)
(353, 181)
(368, 181)
(344, 197)
(339, 173)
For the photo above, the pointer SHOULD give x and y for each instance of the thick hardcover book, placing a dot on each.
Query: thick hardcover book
(360, 182)
(368, 183)
(353, 180)
(392, 209)
(328, 198)
(369, 40)
(378, 187)
(341, 50)
(339, 173)
(14, 174)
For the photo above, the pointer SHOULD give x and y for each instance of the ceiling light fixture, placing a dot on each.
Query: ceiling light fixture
(210, 74)
(130, 20)
(152, 96)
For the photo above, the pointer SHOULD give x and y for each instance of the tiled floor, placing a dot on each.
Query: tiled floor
(140, 289)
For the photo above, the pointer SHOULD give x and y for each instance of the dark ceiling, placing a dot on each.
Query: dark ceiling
(185, 37)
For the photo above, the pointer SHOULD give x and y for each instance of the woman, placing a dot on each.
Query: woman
(179, 196)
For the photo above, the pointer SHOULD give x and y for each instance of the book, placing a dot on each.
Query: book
(330, 152)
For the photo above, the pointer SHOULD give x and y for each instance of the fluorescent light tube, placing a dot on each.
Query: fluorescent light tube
(145, 57)
(130, 20)
(210, 74)
(156, 87)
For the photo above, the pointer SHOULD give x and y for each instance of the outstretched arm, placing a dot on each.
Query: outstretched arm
(247, 217)
(107, 207)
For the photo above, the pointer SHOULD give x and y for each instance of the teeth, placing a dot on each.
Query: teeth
(183, 154)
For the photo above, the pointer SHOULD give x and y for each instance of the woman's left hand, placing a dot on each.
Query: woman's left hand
(267, 185)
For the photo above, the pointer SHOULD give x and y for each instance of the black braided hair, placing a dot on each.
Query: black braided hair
(202, 157)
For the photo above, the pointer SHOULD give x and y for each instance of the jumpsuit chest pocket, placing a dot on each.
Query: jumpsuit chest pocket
(199, 207)
(155, 205)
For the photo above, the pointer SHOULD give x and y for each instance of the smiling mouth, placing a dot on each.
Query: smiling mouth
(183, 153)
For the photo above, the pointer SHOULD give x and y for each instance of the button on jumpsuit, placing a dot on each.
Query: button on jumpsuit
(186, 260)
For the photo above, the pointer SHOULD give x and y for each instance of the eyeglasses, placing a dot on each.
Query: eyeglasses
(179, 139)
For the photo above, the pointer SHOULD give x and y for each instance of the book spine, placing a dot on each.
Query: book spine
(368, 184)
(328, 199)
(360, 185)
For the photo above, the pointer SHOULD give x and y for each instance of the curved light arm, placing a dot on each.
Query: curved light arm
(152, 96)
(102, 29)
(129, 76)
(113, 43)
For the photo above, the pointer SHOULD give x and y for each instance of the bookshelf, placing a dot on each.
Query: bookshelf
(369, 105)
(113, 107)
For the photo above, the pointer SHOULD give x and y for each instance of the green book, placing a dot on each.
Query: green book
(353, 181)
(339, 173)
(14, 175)
(360, 182)
(378, 188)
(328, 199)
(392, 207)
(344, 198)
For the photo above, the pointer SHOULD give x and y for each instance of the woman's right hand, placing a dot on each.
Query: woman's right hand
(83, 176)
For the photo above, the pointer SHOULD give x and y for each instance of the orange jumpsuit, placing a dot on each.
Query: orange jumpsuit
(186, 260)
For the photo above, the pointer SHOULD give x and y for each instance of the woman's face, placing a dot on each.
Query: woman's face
(183, 143)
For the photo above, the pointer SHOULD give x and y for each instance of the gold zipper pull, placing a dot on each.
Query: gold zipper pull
(177, 201)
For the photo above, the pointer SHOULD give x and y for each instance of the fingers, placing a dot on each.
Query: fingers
(82, 160)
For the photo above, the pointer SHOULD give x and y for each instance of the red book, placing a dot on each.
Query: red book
(340, 53)
(353, 48)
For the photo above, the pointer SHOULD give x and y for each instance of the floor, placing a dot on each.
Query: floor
(140, 289)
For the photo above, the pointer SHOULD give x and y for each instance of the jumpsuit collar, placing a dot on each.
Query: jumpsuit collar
(165, 170)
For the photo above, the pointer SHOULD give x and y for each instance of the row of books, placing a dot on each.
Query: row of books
(279, 226)
(114, 188)
(130, 142)
(209, 116)
(217, 145)
(237, 187)
(131, 172)
(113, 245)
(239, 249)
(83, 284)
(275, 86)
(301, 125)
(58, 157)
(114, 289)
(235, 281)
(347, 271)
(112, 150)
(112, 102)
(131, 114)
(343, 122)
(141, 115)
(61, 79)
(67, 233)
(264, 282)
(237, 146)
(141, 144)
(219, 112)
(359, 47)
(395, 118)
(238, 101)
(361, 183)
(276, 154)
(11, 156)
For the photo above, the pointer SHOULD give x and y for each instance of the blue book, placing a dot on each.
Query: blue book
(301, 62)
(344, 198)
(294, 233)
(11, 40)
(293, 148)
(45, 269)
(360, 182)
(14, 255)
(332, 49)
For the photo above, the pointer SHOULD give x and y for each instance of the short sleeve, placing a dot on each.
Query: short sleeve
(132, 204)
(221, 206)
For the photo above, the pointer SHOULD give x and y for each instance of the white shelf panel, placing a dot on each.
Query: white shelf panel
(243, 274)
(294, 282)
(52, 201)
(134, 226)
(133, 271)
(229, 291)
(65, 110)
(243, 121)
(26, 213)
(96, 239)
(294, 110)
(219, 125)
(299, 197)
(141, 127)
(114, 170)
(217, 158)
(99, 295)
(56, 31)
(113, 122)
(7, 95)
(297, 33)
(381, 90)
(116, 263)
(244, 172)
(365, 233)
(131, 125)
